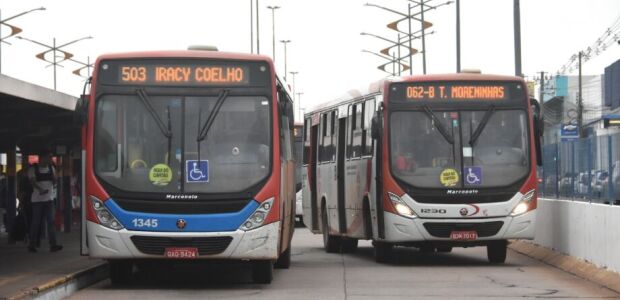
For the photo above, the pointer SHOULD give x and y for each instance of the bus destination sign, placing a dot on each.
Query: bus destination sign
(456, 91)
(183, 74)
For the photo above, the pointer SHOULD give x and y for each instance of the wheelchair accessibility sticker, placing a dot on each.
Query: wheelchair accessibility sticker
(473, 175)
(196, 171)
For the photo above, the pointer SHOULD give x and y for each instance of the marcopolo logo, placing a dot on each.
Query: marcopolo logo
(181, 197)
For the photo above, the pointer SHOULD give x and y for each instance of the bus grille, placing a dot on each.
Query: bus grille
(157, 245)
(443, 230)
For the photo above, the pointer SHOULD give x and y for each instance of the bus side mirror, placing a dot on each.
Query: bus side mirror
(538, 129)
(374, 127)
(80, 115)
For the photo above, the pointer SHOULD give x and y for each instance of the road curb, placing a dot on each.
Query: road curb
(66, 285)
(570, 264)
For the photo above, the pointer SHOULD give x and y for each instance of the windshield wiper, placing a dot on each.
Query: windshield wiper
(438, 125)
(144, 97)
(483, 123)
(202, 134)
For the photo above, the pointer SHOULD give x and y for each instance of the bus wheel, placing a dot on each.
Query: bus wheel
(120, 271)
(330, 242)
(262, 271)
(349, 245)
(496, 251)
(383, 251)
(284, 260)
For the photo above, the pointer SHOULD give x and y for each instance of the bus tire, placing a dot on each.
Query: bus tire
(383, 251)
(496, 251)
(284, 260)
(121, 271)
(349, 245)
(262, 271)
(367, 219)
(331, 243)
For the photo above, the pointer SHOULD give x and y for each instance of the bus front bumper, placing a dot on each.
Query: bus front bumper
(404, 230)
(257, 244)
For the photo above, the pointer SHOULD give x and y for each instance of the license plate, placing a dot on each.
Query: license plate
(463, 235)
(181, 253)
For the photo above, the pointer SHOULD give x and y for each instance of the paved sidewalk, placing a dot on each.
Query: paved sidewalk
(22, 271)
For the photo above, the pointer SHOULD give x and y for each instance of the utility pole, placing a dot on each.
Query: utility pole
(517, 30)
(580, 100)
(251, 26)
(285, 70)
(423, 37)
(458, 36)
(273, 29)
(257, 30)
(410, 37)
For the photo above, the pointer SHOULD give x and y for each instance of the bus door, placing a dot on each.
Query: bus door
(340, 177)
(313, 188)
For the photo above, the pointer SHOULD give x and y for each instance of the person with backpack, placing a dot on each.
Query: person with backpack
(42, 177)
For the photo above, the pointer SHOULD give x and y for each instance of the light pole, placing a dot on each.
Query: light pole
(301, 110)
(294, 87)
(386, 51)
(53, 49)
(273, 28)
(257, 30)
(392, 61)
(285, 42)
(14, 29)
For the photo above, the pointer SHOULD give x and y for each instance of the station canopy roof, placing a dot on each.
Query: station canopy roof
(34, 117)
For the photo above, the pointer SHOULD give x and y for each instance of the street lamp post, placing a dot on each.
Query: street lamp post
(301, 110)
(273, 28)
(53, 49)
(294, 88)
(285, 42)
(14, 29)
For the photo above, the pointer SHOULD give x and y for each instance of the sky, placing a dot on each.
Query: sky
(326, 45)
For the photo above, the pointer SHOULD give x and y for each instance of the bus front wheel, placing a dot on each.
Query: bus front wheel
(284, 260)
(331, 243)
(121, 271)
(496, 251)
(383, 251)
(262, 271)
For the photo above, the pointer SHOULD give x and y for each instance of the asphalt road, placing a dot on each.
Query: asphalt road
(314, 274)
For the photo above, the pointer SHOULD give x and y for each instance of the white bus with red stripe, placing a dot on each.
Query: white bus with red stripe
(432, 162)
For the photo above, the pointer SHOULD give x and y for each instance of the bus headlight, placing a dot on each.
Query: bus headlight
(104, 216)
(401, 207)
(259, 216)
(524, 204)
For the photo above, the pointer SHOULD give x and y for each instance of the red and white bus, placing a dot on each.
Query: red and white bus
(433, 162)
(188, 155)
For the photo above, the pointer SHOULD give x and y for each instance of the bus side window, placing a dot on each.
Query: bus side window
(306, 139)
(369, 108)
(323, 138)
(332, 126)
(357, 131)
(350, 126)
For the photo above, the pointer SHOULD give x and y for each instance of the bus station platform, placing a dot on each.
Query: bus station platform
(25, 275)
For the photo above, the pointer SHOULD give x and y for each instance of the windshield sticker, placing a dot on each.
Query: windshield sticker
(474, 175)
(467, 152)
(455, 123)
(160, 175)
(197, 171)
(449, 177)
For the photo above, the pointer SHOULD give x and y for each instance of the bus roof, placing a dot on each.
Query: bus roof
(375, 87)
(186, 54)
(457, 77)
(378, 86)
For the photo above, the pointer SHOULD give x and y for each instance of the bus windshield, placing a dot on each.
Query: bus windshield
(424, 157)
(132, 154)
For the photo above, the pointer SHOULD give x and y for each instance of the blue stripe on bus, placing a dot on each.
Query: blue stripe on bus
(168, 222)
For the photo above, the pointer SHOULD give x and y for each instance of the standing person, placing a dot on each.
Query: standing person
(42, 177)
(24, 192)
